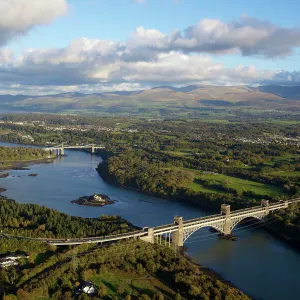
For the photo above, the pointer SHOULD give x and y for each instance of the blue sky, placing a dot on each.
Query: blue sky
(254, 55)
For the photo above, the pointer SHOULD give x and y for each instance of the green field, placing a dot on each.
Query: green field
(241, 185)
(284, 158)
(287, 173)
(198, 187)
(179, 153)
(133, 284)
(238, 184)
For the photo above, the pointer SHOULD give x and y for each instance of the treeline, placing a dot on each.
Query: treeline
(136, 171)
(287, 223)
(9, 245)
(139, 170)
(32, 220)
(8, 154)
(127, 259)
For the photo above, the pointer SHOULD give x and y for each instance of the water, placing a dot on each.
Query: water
(260, 265)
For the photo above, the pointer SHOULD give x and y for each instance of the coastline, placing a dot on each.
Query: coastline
(280, 236)
(209, 272)
(212, 208)
(215, 275)
(21, 164)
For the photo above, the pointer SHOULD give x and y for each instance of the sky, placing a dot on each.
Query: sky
(55, 46)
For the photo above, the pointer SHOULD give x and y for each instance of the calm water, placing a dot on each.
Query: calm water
(258, 264)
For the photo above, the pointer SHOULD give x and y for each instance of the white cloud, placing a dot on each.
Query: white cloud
(19, 16)
(149, 57)
(100, 64)
(249, 36)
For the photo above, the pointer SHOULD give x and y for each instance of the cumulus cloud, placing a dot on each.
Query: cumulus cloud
(249, 36)
(19, 16)
(149, 57)
(96, 62)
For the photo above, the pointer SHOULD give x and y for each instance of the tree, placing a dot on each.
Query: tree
(102, 290)
(9, 297)
(144, 297)
(158, 296)
(83, 297)
(177, 296)
(120, 290)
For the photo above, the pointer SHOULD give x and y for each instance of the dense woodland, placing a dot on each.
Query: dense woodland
(8, 154)
(287, 224)
(38, 221)
(200, 163)
(143, 271)
(167, 274)
(203, 163)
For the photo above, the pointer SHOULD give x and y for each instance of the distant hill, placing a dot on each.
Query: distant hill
(161, 99)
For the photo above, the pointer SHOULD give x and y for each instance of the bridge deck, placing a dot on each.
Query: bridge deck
(159, 230)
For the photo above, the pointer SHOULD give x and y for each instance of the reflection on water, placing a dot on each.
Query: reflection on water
(257, 263)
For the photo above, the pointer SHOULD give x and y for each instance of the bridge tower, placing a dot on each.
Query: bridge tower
(225, 210)
(177, 236)
(266, 204)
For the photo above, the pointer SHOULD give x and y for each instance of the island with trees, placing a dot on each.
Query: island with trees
(94, 200)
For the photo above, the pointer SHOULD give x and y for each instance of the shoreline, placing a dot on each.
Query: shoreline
(209, 272)
(280, 236)
(22, 164)
(215, 275)
(208, 208)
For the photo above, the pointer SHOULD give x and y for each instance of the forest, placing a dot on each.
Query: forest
(32, 220)
(129, 269)
(16, 154)
(196, 161)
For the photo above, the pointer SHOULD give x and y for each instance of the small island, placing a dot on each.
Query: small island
(94, 200)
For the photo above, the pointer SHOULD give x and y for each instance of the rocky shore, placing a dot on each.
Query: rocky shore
(22, 165)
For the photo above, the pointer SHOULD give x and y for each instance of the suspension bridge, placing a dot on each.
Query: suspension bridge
(178, 232)
(60, 149)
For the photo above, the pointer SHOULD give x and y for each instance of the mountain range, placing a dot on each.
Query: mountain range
(160, 99)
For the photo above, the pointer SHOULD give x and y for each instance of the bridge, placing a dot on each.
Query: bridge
(179, 231)
(60, 150)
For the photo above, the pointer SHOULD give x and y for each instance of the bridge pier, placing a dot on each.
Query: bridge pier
(225, 210)
(177, 236)
(266, 204)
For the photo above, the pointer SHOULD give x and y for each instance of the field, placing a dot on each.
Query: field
(133, 284)
(235, 183)
(287, 173)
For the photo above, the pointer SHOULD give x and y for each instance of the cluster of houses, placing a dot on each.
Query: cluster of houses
(276, 139)
(11, 260)
(68, 127)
